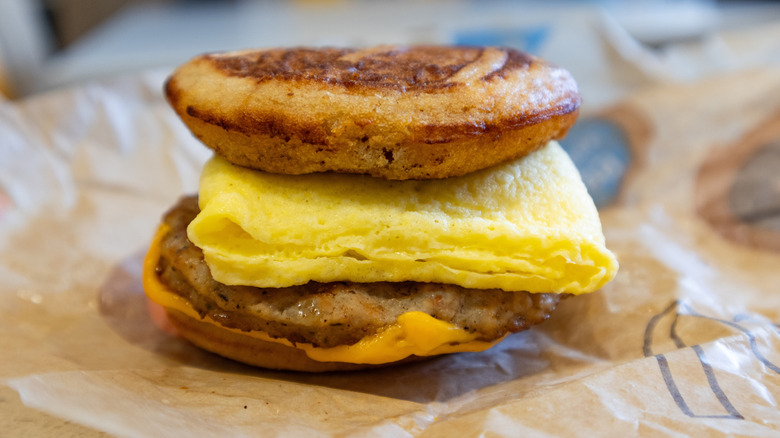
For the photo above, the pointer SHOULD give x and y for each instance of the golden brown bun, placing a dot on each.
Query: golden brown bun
(253, 351)
(391, 112)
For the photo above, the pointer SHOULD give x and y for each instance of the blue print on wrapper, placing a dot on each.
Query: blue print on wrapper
(600, 150)
(528, 39)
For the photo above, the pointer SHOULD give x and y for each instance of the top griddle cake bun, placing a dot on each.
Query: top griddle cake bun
(392, 112)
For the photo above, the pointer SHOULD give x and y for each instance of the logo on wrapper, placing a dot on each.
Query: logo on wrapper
(738, 189)
(607, 148)
(668, 325)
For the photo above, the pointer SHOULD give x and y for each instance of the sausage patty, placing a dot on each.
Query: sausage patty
(340, 313)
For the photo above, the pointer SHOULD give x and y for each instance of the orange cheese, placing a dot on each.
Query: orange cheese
(414, 333)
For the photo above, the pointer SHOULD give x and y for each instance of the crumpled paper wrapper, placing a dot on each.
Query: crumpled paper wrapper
(685, 341)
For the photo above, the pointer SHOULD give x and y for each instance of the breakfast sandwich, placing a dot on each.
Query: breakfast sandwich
(366, 207)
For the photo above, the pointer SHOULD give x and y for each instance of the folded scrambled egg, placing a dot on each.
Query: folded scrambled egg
(525, 225)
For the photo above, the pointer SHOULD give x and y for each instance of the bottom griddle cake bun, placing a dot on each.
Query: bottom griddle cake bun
(253, 351)
(260, 326)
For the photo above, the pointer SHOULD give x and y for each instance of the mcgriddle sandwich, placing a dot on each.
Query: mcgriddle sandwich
(370, 206)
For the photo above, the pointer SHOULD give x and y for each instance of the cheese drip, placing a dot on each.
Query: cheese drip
(527, 225)
(415, 333)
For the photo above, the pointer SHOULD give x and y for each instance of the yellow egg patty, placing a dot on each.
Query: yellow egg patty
(527, 225)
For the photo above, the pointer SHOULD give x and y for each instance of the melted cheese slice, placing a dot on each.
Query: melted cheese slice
(527, 225)
(415, 333)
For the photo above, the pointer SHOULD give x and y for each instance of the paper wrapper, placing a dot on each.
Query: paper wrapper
(684, 341)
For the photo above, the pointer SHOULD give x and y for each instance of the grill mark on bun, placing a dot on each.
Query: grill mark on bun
(515, 61)
(172, 91)
(424, 69)
(275, 126)
(260, 123)
(436, 134)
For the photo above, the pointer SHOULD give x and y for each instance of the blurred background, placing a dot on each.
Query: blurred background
(48, 44)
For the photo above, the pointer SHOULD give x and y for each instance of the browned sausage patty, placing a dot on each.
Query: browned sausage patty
(342, 313)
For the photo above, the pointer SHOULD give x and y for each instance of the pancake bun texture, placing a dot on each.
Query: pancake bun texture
(418, 112)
